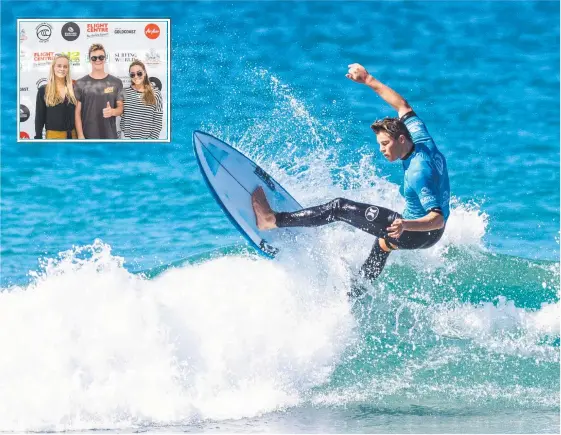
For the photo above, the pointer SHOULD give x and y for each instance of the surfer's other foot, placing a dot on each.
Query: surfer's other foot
(264, 215)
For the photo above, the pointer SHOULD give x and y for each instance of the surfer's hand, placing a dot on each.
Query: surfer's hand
(357, 73)
(396, 229)
(107, 111)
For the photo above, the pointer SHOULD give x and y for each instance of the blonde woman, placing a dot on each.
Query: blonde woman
(56, 103)
(142, 114)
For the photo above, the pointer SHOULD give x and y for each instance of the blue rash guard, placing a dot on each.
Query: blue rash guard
(426, 188)
(426, 185)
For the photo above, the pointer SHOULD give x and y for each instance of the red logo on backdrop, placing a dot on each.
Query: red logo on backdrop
(152, 31)
(98, 28)
(23, 135)
(43, 55)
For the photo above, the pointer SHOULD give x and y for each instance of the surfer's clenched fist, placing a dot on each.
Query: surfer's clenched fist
(357, 73)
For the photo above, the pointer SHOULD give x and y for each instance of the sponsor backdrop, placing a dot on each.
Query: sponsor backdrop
(124, 41)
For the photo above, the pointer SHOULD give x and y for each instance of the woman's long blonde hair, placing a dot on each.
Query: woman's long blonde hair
(52, 97)
(148, 94)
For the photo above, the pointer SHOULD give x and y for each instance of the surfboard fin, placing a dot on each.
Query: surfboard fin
(271, 250)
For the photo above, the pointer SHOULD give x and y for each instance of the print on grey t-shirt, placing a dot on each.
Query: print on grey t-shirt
(94, 94)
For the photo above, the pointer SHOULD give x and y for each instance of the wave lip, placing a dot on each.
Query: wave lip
(228, 338)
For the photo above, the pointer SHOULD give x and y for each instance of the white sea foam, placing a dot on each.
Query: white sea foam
(501, 327)
(474, 357)
(90, 345)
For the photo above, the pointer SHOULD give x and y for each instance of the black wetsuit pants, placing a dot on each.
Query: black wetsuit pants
(372, 219)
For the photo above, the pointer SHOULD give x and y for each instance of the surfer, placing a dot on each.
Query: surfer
(426, 188)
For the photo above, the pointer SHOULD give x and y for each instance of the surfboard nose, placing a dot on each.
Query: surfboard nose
(198, 136)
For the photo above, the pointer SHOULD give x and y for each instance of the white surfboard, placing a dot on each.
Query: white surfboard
(232, 177)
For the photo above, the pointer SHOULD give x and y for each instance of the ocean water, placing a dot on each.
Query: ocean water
(130, 303)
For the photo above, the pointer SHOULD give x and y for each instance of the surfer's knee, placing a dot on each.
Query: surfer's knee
(337, 203)
(334, 208)
(386, 246)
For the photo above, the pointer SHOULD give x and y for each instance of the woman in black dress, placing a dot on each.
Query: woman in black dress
(56, 103)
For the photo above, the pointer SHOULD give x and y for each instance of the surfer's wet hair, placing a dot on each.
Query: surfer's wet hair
(392, 126)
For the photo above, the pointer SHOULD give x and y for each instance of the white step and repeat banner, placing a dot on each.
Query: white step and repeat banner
(124, 41)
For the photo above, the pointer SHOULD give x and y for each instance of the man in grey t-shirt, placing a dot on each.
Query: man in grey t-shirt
(100, 99)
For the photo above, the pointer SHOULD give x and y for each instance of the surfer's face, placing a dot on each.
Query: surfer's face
(97, 59)
(388, 145)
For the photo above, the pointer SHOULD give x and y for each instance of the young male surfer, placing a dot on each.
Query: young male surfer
(426, 188)
(100, 99)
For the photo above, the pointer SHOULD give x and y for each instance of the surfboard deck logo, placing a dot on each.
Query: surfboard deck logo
(265, 177)
(231, 177)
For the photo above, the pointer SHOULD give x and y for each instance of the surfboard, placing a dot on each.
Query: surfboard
(232, 177)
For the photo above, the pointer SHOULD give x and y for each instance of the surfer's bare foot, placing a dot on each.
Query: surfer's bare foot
(264, 215)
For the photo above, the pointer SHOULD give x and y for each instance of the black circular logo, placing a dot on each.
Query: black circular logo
(156, 82)
(41, 82)
(70, 31)
(23, 113)
(44, 32)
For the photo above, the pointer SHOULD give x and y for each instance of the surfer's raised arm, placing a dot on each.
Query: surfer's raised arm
(426, 189)
(357, 73)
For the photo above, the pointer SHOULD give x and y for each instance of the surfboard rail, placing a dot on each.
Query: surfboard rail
(231, 177)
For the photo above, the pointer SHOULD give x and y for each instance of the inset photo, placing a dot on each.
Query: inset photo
(103, 80)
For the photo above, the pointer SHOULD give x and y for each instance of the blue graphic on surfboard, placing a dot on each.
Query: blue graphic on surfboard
(232, 177)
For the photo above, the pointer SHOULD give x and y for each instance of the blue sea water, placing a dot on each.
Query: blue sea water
(129, 301)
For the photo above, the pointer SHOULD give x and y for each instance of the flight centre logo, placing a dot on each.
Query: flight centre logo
(41, 58)
(97, 30)
(70, 31)
(23, 113)
(44, 32)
